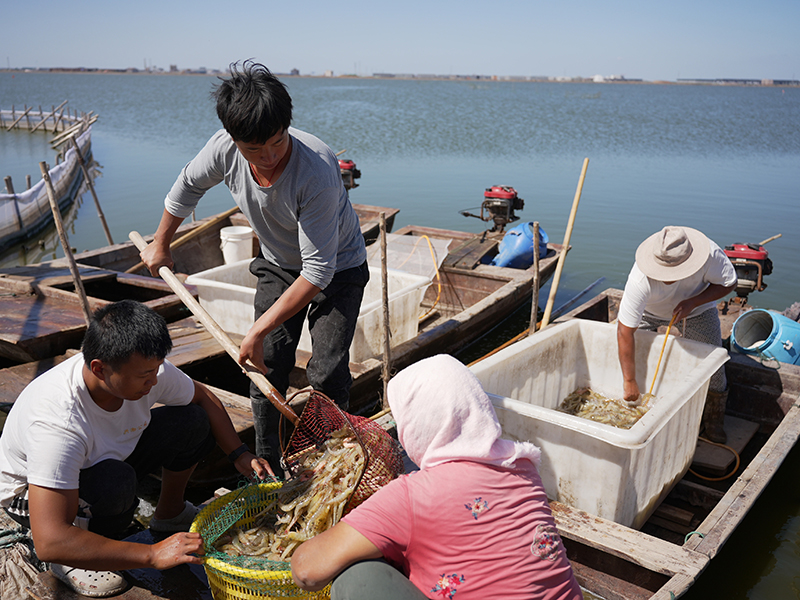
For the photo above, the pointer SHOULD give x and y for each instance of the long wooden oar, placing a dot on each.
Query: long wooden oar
(219, 334)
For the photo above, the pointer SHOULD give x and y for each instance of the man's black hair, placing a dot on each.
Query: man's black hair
(119, 330)
(252, 103)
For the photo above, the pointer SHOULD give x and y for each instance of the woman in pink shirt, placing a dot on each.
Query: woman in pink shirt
(473, 523)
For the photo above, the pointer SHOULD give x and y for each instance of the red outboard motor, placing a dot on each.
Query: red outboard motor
(752, 264)
(499, 204)
(349, 173)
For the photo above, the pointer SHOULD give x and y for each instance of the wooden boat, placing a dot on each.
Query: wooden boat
(24, 214)
(663, 559)
(473, 297)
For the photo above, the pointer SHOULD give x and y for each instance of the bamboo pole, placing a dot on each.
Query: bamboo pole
(535, 300)
(192, 234)
(10, 190)
(73, 267)
(9, 184)
(387, 342)
(219, 334)
(565, 246)
(44, 119)
(91, 189)
(58, 140)
(27, 110)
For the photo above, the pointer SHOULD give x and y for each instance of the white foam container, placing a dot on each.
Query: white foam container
(227, 293)
(618, 474)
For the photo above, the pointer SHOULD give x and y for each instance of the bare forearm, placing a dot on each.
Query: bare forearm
(627, 352)
(296, 297)
(78, 548)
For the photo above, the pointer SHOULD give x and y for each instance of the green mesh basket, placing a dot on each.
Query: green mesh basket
(230, 581)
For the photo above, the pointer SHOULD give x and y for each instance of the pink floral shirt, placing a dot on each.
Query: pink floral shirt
(468, 531)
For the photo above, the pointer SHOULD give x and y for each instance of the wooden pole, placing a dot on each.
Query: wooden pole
(27, 182)
(91, 189)
(565, 246)
(27, 110)
(73, 267)
(219, 334)
(192, 234)
(10, 190)
(61, 138)
(387, 342)
(535, 299)
(44, 119)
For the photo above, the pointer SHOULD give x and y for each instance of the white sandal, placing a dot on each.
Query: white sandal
(97, 584)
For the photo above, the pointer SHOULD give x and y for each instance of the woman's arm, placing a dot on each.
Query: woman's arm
(319, 560)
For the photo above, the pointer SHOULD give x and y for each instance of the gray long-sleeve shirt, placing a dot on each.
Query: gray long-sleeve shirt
(304, 221)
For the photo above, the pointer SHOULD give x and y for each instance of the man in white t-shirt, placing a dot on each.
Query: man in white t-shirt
(679, 273)
(80, 436)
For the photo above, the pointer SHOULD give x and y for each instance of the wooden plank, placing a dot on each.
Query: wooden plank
(632, 545)
(715, 461)
(740, 497)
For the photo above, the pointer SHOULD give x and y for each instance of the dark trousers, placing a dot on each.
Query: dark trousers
(363, 580)
(177, 438)
(332, 316)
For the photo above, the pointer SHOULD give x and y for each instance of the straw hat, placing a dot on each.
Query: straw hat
(673, 253)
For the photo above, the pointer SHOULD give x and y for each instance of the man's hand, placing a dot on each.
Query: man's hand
(252, 350)
(248, 463)
(155, 256)
(178, 549)
(630, 391)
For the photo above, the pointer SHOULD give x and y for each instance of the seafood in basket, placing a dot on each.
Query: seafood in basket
(313, 501)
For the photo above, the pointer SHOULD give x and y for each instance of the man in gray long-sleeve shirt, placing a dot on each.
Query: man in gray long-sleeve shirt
(313, 259)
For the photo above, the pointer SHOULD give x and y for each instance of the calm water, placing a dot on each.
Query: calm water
(723, 160)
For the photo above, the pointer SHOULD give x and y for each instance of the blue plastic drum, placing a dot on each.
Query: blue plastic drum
(516, 247)
(769, 334)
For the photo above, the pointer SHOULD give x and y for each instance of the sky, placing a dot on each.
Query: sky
(639, 39)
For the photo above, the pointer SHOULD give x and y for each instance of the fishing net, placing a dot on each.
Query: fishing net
(335, 461)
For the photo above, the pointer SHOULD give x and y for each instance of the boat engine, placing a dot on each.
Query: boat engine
(499, 204)
(349, 173)
(752, 264)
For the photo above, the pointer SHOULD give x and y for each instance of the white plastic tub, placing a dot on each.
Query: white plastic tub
(227, 293)
(618, 474)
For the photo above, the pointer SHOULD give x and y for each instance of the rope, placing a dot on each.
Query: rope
(690, 534)
(435, 266)
(735, 468)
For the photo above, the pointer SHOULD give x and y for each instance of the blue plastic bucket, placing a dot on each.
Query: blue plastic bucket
(769, 334)
(516, 247)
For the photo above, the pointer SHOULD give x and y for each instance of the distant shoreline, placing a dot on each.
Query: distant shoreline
(419, 77)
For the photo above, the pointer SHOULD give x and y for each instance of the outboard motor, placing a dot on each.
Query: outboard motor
(752, 264)
(499, 204)
(349, 173)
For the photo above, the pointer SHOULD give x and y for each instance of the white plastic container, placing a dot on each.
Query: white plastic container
(227, 293)
(618, 474)
(236, 243)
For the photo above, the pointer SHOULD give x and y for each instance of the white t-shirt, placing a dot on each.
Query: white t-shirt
(656, 298)
(55, 429)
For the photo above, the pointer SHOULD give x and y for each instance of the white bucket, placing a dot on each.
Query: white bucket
(236, 243)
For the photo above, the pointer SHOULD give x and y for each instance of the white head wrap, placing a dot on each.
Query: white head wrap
(443, 414)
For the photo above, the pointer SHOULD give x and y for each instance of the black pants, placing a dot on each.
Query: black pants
(177, 438)
(332, 316)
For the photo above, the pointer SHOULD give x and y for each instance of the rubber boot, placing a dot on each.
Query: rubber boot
(714, 416)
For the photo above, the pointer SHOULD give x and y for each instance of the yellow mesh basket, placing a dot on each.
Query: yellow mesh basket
(231, 582)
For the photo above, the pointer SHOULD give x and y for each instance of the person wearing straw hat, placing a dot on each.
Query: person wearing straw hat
(312, 261)
(472, 523)
(678, 274)
(80, 436)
